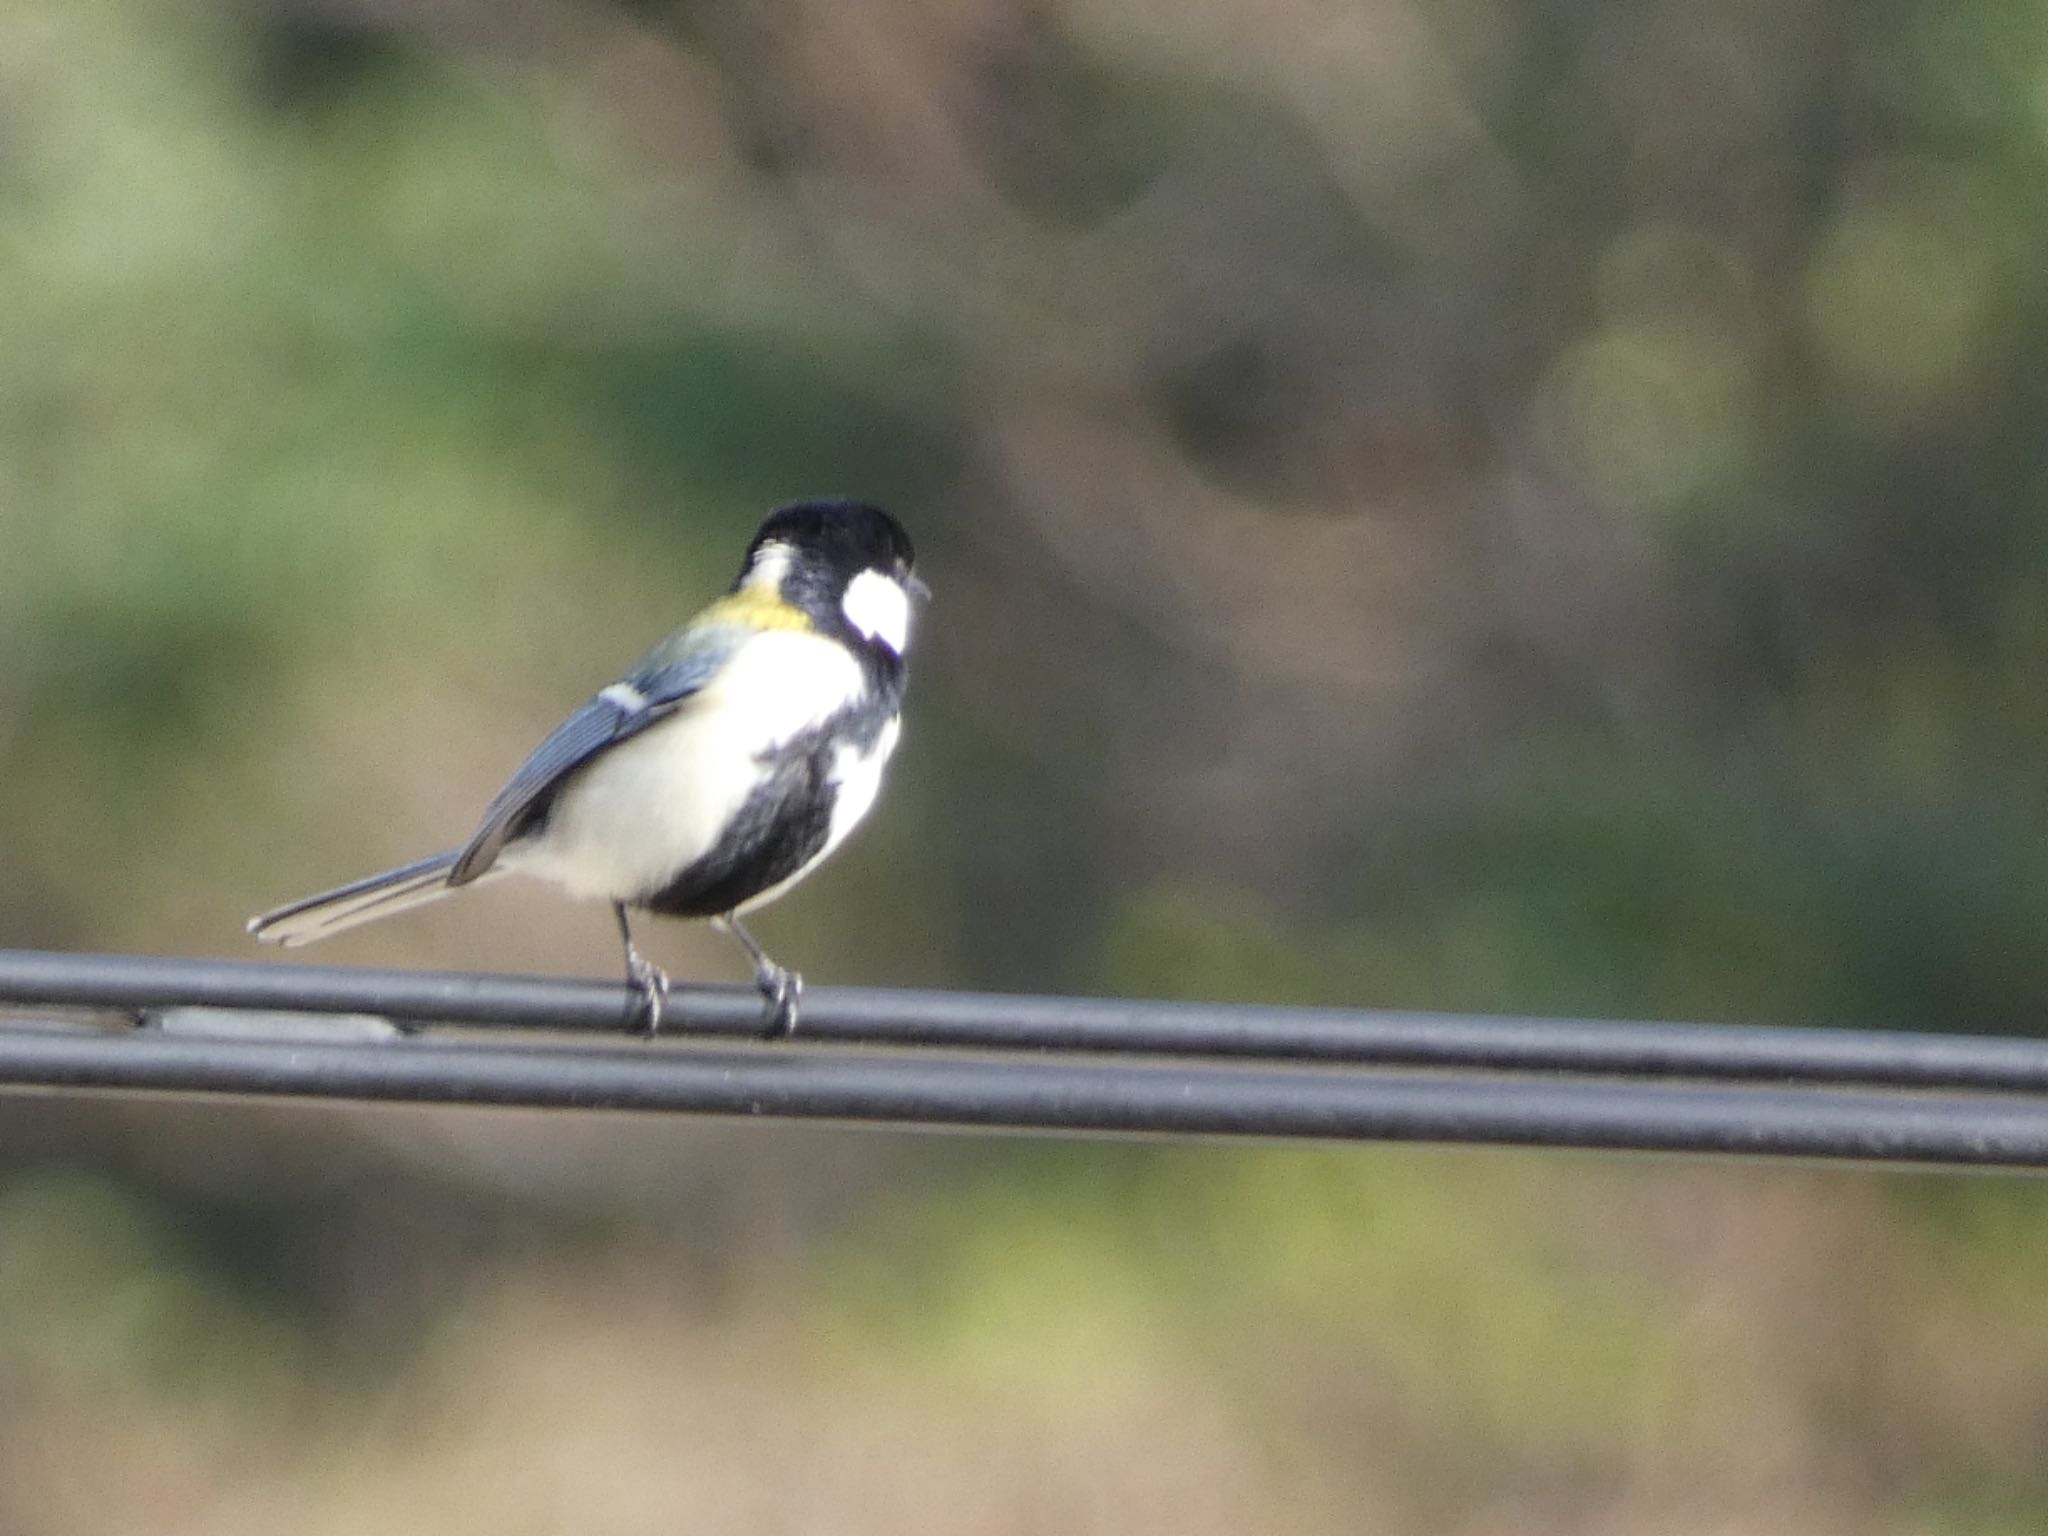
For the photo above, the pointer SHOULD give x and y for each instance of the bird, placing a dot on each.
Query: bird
(724, 766)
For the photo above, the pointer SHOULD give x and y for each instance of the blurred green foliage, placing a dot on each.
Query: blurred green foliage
(1437, 503)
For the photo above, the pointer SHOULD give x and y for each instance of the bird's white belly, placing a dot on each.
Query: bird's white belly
(859, 777)
(647, 809)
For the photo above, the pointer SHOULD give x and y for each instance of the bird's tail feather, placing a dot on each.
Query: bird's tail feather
(361, 901)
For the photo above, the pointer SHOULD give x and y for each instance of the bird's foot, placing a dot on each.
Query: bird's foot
(651, 982)
(781, 989)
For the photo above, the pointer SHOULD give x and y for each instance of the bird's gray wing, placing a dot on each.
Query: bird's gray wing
(656, 687)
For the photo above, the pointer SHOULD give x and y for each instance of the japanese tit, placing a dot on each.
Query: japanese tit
(719, 771)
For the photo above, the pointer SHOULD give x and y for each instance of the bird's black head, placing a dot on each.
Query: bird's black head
(846, 564)
(849, 536)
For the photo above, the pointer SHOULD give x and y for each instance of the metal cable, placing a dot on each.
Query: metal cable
(988, 1021)
(1030, 1063)
(908, 1089)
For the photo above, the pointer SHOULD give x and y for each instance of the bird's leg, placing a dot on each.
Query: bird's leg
(643, 976)
(780, 986)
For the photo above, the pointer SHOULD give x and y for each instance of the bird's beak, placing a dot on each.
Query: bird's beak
(917, 589)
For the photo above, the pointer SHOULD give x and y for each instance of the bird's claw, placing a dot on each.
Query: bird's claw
(651, 982)
(781, 989)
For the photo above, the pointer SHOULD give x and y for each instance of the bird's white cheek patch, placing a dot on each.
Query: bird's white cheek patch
(879, 608)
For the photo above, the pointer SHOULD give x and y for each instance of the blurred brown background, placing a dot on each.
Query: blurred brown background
(1480, 504)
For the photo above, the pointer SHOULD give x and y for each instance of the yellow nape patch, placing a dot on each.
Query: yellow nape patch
(757, 607)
